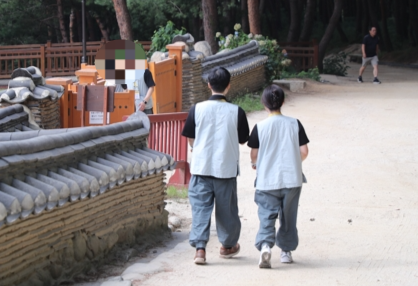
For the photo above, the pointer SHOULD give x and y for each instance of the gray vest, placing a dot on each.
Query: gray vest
(216, 147)
(279, 163)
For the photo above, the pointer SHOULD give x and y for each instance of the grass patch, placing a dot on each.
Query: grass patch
(174, 193)
(249, 102)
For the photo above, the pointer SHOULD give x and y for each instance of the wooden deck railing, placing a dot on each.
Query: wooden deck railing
(304, 55)
(53, 59)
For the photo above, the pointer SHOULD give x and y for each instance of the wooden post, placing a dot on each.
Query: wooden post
(105, 105)
(48, 70)
(42, 48)
(83, 104)
(176, 51)
(316, 53)
(64, 101)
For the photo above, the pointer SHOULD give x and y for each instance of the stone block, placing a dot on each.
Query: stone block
(292, 85)
(116, 283)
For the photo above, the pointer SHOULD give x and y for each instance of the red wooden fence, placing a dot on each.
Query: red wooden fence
(53, 59)
(304, 55)
(165, 136)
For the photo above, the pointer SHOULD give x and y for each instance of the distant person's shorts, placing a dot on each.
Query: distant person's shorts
(374, 61)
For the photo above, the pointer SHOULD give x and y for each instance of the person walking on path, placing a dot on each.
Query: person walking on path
(278, 147)
(214, 129)
(369, 49)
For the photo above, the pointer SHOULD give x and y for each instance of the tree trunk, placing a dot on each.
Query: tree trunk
(366, 18)
(210, 23)
(413, 23)
(254, 17)
(71, 26)
(61, 22)
(309, 21)
(375, 22)
(79, 25)
(226, 19)
(124, 19)
(359, 14)
(90, 27)
(102, 27)
(388, 42)
(343, 36)
(333, 22)
(261, 8)
(244, 16)
(294, 29)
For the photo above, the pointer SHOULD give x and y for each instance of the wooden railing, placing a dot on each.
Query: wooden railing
(53, 59)
(304, 55)
(165, 136)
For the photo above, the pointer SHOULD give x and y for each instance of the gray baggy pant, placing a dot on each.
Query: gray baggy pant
(271, 204)
(204, 192)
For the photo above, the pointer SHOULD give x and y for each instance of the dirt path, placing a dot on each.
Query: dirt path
(358, 216)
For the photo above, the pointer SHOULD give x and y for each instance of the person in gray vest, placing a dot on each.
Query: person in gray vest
(214, 129)
(278, 147)
(144, 87)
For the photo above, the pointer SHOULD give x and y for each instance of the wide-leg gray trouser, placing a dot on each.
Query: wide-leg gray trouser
(271, 204)
(204, 193)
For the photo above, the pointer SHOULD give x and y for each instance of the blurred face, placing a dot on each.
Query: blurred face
(373, 32)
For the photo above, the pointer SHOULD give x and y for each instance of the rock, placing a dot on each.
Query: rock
(80, 246)
(203, 47)
(223, 51)
(185, 55)
(172, 228)
(127, 254)
(186, 47)
(292, 85)
(156, 57)
(55, 270)
(174, 221)
(196, 54)
(116, 283)
(93, 244)
(115, 278)
(112, 239)
(186, 38)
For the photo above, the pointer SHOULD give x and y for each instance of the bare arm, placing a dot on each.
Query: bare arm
(363, 49)
(146, 98)
(191, 141)
(254, 155)
(304, 151)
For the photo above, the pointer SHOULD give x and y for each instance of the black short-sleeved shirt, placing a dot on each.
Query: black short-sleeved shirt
(370, 44)
(254, 143)
(189, 129)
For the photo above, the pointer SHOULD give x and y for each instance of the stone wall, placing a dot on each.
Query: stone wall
(245, 64)
(59, 244)
(68, 196)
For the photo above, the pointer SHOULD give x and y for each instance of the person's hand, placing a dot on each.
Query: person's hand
(141, 106)
(253, 166)
(364, 56)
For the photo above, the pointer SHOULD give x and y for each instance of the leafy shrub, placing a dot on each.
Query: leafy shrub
(311, 73)
(163, 37)
(336, 64)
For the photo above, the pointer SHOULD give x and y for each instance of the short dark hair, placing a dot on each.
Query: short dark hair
(219, 79)
(371, 27)
(273, 97)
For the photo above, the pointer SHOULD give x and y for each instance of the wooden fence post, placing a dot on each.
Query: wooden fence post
(176, 51)
(316, 53)
(42, 49)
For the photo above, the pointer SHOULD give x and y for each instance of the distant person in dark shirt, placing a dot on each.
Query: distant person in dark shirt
(369, 49)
